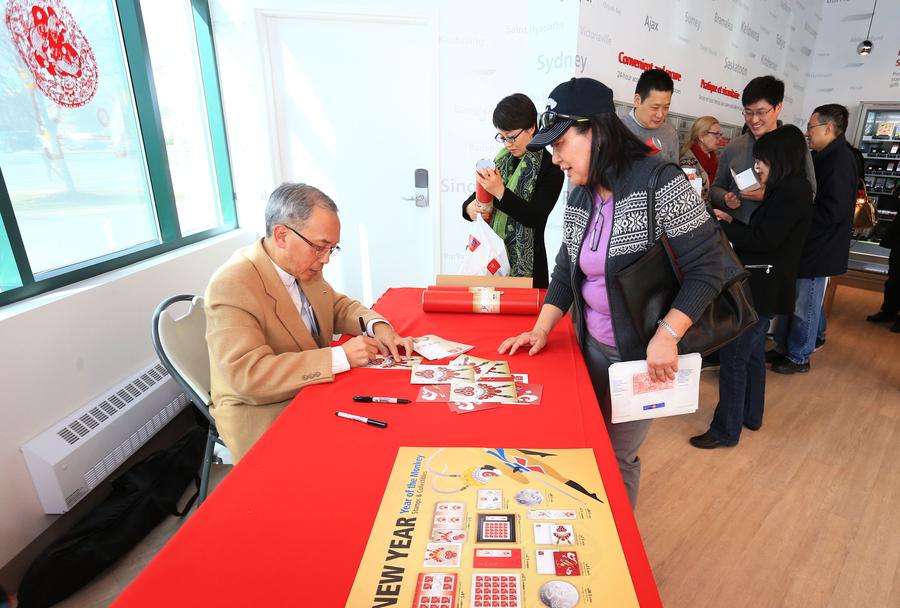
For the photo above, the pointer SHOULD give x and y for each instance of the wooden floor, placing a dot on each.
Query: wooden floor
(805, 511)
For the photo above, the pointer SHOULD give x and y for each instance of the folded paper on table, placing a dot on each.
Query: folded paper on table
(434, 347)
(636, 397)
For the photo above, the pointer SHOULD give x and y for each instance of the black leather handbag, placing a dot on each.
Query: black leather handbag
(651, 283)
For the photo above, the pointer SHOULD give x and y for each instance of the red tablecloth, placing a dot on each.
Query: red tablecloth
(289, 525)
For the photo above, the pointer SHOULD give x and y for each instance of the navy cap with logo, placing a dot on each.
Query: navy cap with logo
(570, 102)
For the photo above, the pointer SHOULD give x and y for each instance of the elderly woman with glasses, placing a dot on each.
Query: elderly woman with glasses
(524, 187)
(605, 230)
(699, 152)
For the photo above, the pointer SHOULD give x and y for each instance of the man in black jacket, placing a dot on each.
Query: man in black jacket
(890, 308)
(828, 243)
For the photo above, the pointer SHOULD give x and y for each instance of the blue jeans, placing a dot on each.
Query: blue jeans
(742, 384)
(795, 336)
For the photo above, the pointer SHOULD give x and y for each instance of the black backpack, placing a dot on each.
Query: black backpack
(141, 498)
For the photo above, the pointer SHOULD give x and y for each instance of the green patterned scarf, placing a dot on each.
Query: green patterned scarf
(520, 179)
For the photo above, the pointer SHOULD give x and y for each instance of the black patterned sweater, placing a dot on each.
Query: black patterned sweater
(680, 213)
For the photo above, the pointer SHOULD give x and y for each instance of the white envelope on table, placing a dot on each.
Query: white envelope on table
(636, 397)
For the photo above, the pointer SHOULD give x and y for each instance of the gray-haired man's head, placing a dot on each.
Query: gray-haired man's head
(292, 204)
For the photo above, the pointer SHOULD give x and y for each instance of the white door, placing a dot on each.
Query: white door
(354, 106)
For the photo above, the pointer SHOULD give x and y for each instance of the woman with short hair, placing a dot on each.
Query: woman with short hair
(524, 188)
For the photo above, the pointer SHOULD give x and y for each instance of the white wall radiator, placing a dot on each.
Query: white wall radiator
(72, 457)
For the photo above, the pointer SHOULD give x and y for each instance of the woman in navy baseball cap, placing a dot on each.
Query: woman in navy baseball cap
(605, 230)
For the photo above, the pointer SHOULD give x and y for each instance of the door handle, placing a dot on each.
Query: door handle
(421, 184)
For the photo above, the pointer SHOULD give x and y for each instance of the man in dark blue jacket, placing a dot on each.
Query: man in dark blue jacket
(827, 246)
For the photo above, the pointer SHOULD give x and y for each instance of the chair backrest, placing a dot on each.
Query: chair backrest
(180, 344)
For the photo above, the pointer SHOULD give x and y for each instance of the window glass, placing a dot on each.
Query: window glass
(9, 273)
(176, 75)
(71, 150)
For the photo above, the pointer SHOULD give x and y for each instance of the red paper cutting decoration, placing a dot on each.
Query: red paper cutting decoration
(493, 266)
(55, 50)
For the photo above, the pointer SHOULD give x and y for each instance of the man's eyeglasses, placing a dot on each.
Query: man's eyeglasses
(511, 139)
(549, 118)
(748, 114)
(809, 126)
(320, 251)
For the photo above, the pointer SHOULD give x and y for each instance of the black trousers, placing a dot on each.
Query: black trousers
(891, 303)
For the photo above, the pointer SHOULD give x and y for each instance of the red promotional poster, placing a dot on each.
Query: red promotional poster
(54, 48)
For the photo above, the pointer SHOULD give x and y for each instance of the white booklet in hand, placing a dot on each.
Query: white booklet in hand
(636, 397)
(745, 180)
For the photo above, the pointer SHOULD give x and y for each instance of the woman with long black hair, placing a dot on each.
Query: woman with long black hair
(604, 231)
(770, 247)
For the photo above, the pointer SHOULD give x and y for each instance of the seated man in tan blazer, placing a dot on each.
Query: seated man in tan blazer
(271, 315)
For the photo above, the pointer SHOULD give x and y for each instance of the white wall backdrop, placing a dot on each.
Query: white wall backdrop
(487, 50)
(527, 50)
(710, 48)
(837, 73)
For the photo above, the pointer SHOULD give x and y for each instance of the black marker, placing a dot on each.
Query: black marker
(366, 399)
(368, 421)
(362, 326)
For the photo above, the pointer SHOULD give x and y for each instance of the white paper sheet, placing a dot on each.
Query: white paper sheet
(745, 180)
(636, 397)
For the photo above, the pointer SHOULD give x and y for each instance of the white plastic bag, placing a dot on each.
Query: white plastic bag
(485, 252)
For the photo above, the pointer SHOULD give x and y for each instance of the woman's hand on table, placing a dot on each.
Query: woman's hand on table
(490, 180)
(536, 339)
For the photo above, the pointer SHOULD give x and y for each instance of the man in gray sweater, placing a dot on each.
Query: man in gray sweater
(652, 98)
(762, 99)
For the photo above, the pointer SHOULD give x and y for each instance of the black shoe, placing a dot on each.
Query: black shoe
(707, 442)
(896, 326)
(751, 427)
(789, 367)
(819, 345)
(881, 317)
(773, 356)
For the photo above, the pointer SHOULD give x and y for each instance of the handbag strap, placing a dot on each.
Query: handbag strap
(652, 183)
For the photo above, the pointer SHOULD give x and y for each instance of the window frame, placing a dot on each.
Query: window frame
(137, 56)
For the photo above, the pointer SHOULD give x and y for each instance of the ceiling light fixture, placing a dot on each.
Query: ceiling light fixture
(865, 47)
